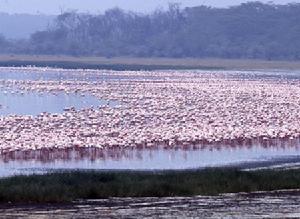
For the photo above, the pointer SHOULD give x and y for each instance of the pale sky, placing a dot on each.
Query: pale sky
(96, 6)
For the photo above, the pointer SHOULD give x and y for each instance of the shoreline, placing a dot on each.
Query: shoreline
(132, 63)
(248, 205)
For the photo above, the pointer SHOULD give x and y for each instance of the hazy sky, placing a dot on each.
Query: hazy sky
(94, 6)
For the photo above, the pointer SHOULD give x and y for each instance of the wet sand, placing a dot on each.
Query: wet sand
(281, 204)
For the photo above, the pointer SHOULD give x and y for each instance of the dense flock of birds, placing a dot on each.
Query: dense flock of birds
(162, 108)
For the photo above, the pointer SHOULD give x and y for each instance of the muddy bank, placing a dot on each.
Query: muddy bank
(282, 204)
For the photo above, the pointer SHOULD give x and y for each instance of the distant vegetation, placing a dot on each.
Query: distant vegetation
(70, 186)
(250, 31)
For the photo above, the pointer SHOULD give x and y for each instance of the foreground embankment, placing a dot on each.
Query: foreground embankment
(279, 204)
(64, 187)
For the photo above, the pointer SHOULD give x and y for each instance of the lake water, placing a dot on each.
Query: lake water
(51, 75)
(34, 103)
(156, 159)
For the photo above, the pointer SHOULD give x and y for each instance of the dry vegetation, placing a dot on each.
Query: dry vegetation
(124, 63)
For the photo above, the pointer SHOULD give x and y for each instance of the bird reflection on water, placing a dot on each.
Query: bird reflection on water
(165, 120)
(158, 157)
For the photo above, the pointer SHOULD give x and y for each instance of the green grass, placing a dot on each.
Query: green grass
(69, 186)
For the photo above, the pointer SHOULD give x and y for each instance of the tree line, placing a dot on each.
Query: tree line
(251, 30)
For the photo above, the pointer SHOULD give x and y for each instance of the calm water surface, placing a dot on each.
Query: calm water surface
(158, 159)
(34, 103)
(49, 75)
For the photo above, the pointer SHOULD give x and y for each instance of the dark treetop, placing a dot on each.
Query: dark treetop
(251, 30)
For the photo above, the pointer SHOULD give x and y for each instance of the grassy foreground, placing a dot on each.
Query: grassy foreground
(69, 186)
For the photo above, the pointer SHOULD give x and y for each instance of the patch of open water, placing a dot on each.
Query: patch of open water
(34, 103)
(13, 102)
(56, 75)
(143, 159)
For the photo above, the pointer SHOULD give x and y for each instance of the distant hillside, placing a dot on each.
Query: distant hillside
(18, 26)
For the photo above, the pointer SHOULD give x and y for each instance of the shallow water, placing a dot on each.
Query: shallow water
(154, 159)
(34, 103)
(50, 75)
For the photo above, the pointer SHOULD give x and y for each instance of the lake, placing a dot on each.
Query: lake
(145, 159)
(14, 102)
(18, 102)
(50, 74)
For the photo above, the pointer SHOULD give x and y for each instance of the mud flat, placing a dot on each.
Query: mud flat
(281, 204)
